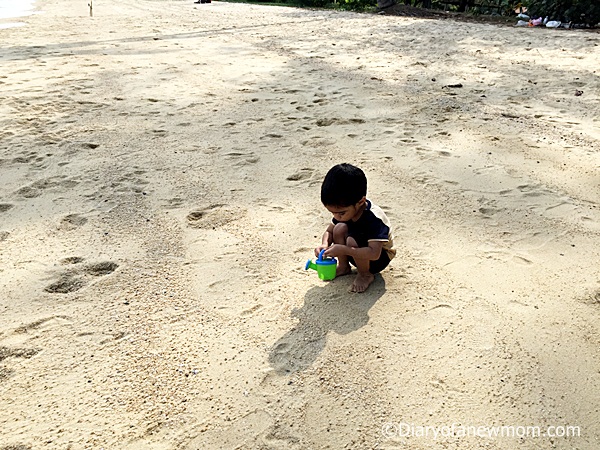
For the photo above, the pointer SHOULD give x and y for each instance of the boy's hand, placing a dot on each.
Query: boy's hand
(319, 248)
(336, 250)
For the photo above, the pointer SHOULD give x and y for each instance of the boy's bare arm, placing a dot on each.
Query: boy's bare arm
(326, 240)
(371, 253)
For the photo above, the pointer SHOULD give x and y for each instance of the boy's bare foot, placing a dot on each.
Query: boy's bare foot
(362, 282)
(343, 270)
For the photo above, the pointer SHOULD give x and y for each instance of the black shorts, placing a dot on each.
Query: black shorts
(377, 265)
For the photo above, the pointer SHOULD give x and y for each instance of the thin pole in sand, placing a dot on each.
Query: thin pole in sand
(90, 5)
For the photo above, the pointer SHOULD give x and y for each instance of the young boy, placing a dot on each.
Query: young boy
(360, 233)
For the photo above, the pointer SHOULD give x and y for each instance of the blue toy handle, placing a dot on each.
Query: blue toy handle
(320, 258)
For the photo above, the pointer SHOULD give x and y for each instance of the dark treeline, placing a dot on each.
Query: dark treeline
(576, 12)
(585, 12)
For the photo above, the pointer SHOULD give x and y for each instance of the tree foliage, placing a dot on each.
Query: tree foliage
(311, 3)
(353, 5)
(358, 5)
(576, 11)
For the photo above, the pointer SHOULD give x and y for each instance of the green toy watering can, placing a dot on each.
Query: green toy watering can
(325, 267)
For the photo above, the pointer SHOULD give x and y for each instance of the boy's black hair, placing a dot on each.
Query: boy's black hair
(344, 185)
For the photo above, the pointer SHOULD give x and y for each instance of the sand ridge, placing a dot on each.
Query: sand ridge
(160, 167)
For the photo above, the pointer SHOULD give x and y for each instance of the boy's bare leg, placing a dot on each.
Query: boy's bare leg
(364, 278)
(340, 236)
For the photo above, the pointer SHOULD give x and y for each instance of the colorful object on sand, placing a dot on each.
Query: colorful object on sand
(536, 22)
(325, 267)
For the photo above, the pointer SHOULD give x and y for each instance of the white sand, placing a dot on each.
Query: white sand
(161, 165)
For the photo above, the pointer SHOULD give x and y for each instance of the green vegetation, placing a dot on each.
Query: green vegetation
(357, 5)
(265, 2)
(354, 5)
(577, 11)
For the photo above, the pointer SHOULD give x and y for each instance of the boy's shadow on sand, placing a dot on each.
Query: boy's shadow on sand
(327, 308)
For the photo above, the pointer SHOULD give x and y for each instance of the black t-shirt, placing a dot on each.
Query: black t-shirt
(372, 225)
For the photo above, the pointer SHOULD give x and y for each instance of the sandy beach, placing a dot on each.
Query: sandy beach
(160, 167)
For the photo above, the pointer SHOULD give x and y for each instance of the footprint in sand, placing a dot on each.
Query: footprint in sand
(77, 277)
(25, 158)
(160, 132)
(29, 192)
(213, 216)
(71, 260)
(317, 142)
(505, 255)
(26, 353)
(335, 121)
(173, 203)
(65, 284)
(529, 190)
(37, 188)
(42, 324)
(272, 136)
(297, 350)
(5, 207)
(301, 175)
(131, 182)
(72, 222)
(6, 354)
(489, 207)
(101, 268)
(241, 159)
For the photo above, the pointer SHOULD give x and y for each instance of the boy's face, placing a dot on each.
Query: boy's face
(346, 213)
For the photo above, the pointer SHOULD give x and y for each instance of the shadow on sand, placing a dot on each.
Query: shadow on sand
(326, 308)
